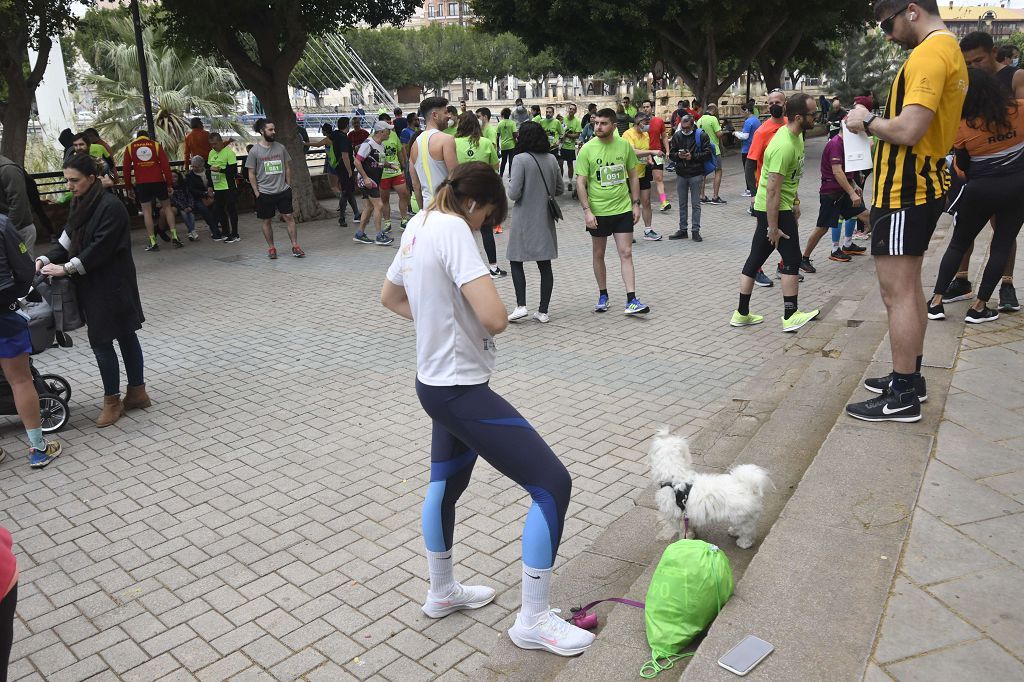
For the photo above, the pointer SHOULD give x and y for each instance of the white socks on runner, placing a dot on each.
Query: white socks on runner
(442, 575)
(536, 595)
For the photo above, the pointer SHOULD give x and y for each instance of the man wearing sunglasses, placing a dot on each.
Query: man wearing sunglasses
(914, 133)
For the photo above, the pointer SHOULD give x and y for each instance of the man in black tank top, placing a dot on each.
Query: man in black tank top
(980, 53)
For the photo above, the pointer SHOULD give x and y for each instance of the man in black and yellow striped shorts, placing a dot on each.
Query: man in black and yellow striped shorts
(914, 133)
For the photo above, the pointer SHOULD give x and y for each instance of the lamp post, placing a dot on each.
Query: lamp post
(143, 71)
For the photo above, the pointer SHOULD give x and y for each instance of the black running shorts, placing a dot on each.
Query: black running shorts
(834, 206)
(267, 205)
(645, 178)
(904, 231)
(146, 192)
(607, 225)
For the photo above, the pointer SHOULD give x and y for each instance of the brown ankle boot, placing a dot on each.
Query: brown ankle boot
(136, 398)
(113, 410)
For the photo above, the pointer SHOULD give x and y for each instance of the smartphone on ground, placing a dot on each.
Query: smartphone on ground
(742, 658)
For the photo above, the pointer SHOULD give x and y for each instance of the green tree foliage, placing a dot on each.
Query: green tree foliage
(708, 43)
(24, 24)
(181, 85)
(866, 63)
(263, 42)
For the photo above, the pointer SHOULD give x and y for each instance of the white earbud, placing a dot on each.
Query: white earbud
(912, 16)
(472, 207)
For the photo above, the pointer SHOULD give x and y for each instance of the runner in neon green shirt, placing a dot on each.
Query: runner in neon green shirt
(219, 162)
(713, 129)
(609, 191)
(571, 129)
(486, 129)
(506, 130)
(553, 127)
(393, 178)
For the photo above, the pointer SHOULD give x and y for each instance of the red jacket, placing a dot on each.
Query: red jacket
(149, 161)
(8, 565)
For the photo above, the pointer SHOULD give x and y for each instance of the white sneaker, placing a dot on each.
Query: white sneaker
(464, 597)
(541, 317)
(519, 313)
(551, 633)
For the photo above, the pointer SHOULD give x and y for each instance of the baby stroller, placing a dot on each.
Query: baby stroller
(54, 390)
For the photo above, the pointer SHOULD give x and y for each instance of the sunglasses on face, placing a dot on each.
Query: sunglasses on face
(888, 23)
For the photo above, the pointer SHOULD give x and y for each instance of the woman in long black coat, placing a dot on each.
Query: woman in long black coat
(96, 251)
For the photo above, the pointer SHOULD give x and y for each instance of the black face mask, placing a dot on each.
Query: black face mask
(775, 110)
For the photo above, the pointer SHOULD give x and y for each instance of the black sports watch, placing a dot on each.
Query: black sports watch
(867, 121)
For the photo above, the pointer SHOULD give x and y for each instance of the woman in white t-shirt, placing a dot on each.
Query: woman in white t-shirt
(439, 281)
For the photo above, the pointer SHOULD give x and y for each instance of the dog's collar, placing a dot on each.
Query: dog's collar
(682, 495)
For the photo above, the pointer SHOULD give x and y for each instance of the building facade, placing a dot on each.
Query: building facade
(996, 19)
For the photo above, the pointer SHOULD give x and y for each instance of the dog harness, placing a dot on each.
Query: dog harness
(682, 495)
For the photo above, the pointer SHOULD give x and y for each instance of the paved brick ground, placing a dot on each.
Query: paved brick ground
(261, 521)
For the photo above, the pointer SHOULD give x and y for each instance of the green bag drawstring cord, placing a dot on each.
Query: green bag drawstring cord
(651, 668)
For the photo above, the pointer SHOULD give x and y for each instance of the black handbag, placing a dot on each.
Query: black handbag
(554, 210)
(67, 315)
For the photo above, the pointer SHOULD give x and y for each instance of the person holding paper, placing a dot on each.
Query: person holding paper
(840, 197)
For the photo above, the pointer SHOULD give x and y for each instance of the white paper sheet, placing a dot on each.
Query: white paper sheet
(858, 150)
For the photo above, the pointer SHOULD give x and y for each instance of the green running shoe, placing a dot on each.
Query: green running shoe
(797, 320)
(745, 320)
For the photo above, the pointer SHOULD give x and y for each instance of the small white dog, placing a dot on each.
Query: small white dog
(687, 498)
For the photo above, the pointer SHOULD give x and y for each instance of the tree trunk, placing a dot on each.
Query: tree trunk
(279, 110)
(772, 73)
(20, 93)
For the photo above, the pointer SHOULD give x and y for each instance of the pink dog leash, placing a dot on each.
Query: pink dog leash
(581, 617)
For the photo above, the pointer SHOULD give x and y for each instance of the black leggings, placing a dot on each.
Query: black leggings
(110, 370)
(487, 235)
(547, 283)
(225, 210)
(761, 248)
(981, 200)
(7, 629)
(506, 157)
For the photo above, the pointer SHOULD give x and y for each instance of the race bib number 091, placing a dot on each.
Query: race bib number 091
(614, 174)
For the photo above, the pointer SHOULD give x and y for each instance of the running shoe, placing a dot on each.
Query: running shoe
(361, 238)
(498, 272)
(679, 234)
(888, 407)
(384, 240)
(519, 313)
(233, 239)
(719, 201)
(542, 317)
(602, 304)
(387, 227)
(651, 236)
(881, 385)
(272, 253)
(745, 320)
(635, 307)
(860, 235)
(37, 459)
(806, 266)
(750, 211)
(218, 238)
(551, 633)
(1008, 298)
(958, 290)
(696, 237)
(3, 454)
(163, 234)
(464, 597)
(667, 206)
(498, 230)
(936, 312)
(193, 237)
(854, 249)
(153, 247)
(405, 223)
(762, 280)
(705, 200)
(986, 314)
(838, 256)
(746, 194)
(342, 222)
(177, 243)
(797, 320)
(298, 252)
(778, 272)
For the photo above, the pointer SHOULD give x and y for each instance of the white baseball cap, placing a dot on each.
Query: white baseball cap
(381, 126)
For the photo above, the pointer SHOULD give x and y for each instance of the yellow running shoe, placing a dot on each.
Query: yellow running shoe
(745, 320)
(797, 320)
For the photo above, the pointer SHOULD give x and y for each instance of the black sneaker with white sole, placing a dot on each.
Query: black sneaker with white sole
(986, 314)
(958, 290)
(888, 407)
(881, 385)
(1008, 298)
(936, 312)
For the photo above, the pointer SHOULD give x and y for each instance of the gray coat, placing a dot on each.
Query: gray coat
(532, 237)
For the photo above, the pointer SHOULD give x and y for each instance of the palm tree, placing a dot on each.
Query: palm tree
(181, 86)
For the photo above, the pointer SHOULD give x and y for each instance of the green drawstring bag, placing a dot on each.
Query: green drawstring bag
(692, 582)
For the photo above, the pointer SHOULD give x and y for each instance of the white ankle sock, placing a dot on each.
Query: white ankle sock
(442, 575)
(536, 594)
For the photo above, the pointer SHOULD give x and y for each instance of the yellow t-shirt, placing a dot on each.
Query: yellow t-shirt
(934, 76)
(639, 140)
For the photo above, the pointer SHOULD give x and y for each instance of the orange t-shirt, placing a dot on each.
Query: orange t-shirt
(759, 143)
(991, 154)
(197, 143)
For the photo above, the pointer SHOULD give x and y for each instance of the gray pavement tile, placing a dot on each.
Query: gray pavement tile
(991, 601)
(972, 454)
(1011, 484)
(935, 552)
(980, 660)
(915, 622)
(955, 498)
(1003, 535)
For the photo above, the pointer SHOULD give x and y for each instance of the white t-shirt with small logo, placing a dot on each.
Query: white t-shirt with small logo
(437, 255)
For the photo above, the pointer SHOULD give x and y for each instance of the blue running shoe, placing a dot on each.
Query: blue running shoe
(602, 304)
(635, 307)
(762, 280)
(37, 459)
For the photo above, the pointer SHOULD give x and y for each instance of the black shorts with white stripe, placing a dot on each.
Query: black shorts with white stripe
(904, 231)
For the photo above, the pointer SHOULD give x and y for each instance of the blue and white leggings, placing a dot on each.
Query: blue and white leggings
(474, 420)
